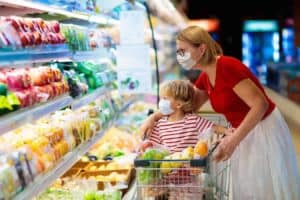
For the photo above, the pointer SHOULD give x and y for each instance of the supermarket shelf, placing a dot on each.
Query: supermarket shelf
(91, 55)
(44, 181)
(86, 99)
(49, 53)
(18, 118)
(44, 53)
(39, 7)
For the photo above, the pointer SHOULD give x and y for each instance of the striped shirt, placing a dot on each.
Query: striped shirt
(176, 136)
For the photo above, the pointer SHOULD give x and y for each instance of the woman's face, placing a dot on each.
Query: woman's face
(188, 55)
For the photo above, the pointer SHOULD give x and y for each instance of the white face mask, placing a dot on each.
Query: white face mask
(165, 107)
(186, 61)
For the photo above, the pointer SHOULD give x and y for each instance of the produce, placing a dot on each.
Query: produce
(3, 89)
(5, 107)
(154, 154)
(186, 154)
(57, 194)
(146, 176)
(201, 149)
(145, 145)
(13, 101)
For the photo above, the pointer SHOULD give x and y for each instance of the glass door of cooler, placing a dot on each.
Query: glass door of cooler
(288, 35)
(260, 45)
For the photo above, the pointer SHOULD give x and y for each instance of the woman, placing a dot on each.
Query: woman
(263, 159)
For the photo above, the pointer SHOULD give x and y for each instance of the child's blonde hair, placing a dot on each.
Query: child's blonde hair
(181, 90)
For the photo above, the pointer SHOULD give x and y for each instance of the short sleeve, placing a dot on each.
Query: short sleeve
(233, 72)
(154, 136)
(203, 124)
(200, 83)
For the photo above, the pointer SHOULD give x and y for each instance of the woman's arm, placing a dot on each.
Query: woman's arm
(258, 104)
(199, 99)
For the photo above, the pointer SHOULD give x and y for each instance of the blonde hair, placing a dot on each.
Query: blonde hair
(196, 36)
(181, 90)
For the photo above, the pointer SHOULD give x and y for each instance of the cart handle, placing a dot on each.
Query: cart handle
(215, 146)
(193, 162)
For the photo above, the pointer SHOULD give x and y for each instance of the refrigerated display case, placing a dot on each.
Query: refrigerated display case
(289, 49)
(260, 45)
(48, 71)
(57, 117)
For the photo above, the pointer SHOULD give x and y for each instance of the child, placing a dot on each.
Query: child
(180, 127)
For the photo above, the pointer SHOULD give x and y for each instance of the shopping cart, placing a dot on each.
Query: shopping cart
(184, 179)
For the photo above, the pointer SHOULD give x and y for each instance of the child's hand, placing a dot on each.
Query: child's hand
(145, 145)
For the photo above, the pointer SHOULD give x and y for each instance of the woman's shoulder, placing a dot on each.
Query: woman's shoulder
(229, 64)
(230, 61)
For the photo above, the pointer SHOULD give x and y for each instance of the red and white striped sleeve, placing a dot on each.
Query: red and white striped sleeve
(203, 124)
(154, 136)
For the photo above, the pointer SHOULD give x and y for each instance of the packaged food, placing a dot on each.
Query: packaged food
(38, 77)
(18, 80)
(9, 35)
(2, 77)
(41, 94)
(9, 181)
(26, 97)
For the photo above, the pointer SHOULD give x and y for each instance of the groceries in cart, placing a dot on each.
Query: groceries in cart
(165, 175)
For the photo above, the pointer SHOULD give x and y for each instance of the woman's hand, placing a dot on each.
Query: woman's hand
(229, 131)
(226, 147)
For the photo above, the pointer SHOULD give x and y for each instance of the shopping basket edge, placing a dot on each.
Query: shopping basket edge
(192, 162)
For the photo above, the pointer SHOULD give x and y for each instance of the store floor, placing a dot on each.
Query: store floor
(296, 140)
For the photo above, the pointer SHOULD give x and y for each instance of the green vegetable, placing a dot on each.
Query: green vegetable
(118, 153)
(94, 82)
(84, 69)
(3, 89)
(13, 100)
(57, 194)
(146, 176)
(5, 107)
(115, 195)
(154, 154)
(89, 196)
(105, 195)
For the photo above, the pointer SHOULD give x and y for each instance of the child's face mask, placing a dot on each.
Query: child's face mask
(165, 107)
